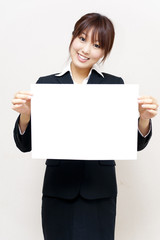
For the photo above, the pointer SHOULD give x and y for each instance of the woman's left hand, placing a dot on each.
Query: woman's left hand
(148, 107)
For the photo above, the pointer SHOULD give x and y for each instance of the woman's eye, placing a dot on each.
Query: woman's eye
(82, 39)
(96, 45)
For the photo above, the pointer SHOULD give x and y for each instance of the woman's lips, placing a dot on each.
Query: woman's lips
(82, 58)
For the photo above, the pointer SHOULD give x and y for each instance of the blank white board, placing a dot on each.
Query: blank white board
(88, 122)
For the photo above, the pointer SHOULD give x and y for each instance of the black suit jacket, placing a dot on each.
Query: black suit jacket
(68, 178)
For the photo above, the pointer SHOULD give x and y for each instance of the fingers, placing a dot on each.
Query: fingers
(16, 107)
(18, 101)
(154, 112)
(145, 100)
(149, 106)
(21, 102)
(23, 95)
(148, 102)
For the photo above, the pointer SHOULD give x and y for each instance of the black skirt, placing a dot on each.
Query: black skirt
(78, 219)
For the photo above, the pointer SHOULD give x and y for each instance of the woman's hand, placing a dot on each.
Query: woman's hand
(22, 104)
(148, 108)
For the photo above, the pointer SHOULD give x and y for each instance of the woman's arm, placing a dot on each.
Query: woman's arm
(22, 131)
(22, 104)
(144, 126)
(23, 141)
(148, 108)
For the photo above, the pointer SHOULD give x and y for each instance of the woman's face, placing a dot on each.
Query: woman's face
(84, 53)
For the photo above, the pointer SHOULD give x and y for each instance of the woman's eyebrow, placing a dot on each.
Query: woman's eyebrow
(96, 40)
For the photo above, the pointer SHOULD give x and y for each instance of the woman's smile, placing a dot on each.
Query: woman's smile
(82, 58)
(84, 52)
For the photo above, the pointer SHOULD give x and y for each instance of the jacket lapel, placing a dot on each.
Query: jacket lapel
(95, 78)
(65, 79)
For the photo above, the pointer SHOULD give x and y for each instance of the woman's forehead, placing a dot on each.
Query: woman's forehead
(91, 32)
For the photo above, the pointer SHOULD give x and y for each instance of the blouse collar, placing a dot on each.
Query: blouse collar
(68, 69)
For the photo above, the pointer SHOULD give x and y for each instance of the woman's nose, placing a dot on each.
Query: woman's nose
(86, 48)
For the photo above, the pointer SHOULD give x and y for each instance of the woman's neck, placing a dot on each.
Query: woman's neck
(79, 74)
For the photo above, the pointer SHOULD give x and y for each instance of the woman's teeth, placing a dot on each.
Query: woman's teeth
(82, 57)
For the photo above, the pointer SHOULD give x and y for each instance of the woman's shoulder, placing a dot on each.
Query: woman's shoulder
(52, 78)
(112, 79)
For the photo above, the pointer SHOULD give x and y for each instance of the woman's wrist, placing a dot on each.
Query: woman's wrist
(144, 125)
(23, 121)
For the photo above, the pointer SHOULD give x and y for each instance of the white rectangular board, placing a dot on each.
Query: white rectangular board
(87, 122)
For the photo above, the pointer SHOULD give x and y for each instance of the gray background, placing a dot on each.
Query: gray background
(35, 35)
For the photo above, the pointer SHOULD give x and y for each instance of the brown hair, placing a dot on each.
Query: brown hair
(102, 26)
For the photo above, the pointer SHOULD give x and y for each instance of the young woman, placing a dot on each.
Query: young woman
(79, 197)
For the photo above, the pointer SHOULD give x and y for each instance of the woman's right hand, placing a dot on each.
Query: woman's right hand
(22, 104)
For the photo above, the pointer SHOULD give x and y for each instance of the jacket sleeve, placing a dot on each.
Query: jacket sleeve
(143, 141)
(23, 142)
